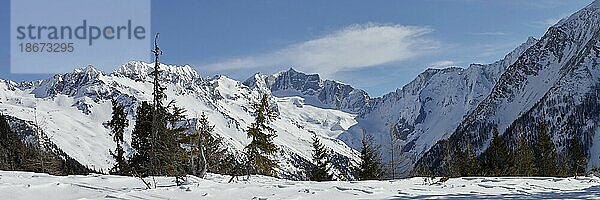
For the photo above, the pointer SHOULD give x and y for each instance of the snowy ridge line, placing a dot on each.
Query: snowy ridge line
(429, 108)
(559, 69)
(74, 108)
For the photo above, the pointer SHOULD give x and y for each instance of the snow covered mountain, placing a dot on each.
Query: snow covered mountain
(317, 92)
(554, 81)
(73, 109)
(429, 108)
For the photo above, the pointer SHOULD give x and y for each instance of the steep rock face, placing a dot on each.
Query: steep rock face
(73, 109)
(549, 82)
(429, 108)
(69, 83)
(141, 71)
(317, 92)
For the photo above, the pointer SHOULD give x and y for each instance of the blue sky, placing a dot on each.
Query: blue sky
(377, 46)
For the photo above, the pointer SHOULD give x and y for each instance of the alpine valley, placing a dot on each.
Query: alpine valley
(554, 80)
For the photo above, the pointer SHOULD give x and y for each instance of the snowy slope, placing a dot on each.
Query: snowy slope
(429, 108)
(554, 81)
(24, 185)
(73, 108)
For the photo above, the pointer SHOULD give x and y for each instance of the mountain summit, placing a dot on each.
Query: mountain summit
(552, 82)
(316, 91)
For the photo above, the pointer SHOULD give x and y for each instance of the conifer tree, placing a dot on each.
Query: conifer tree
(196, 159)
(523, 161)
(213, 149)
(470, 166)
(454, 158)
(261, 149)
(170, 157)
(117, 124)
(578, 157)
(158, 124)
(10, 147)
(141, 139)
(207, 152)
(497, 156)
(319, 171)
(157, 132)
(370, 167)
(546, 158)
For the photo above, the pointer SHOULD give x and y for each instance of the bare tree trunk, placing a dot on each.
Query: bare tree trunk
(148, 186)
(193, 165)
(204, 163)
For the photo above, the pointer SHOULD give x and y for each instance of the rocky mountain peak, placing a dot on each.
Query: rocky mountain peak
(317, 92)
(141, 71)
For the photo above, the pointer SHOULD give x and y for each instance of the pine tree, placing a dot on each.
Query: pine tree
(470, 165)
(497, 156)
(141, 139)
(207, 151)
(117, 124)
(546, 158)
(370, 167)
(523, 161)
(159, 111)
(578, 157)
(214, 150)
(10, 147)
(320, 161)
(196, 155)
(157, 133)
(454, 158)
(261, 149)
(171, 158)
(47, 162)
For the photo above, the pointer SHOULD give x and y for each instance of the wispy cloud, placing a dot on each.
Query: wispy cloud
(354, 47)
(442, 64)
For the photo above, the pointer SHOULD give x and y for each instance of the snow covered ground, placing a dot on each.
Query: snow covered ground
(26, 185)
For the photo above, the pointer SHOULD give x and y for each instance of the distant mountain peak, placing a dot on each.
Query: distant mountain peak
(90, 69)
(317, 92)
(547, 82)
(141, 71)
(292, 69)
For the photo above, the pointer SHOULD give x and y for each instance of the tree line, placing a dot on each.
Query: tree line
(537, 157)
(41, 155)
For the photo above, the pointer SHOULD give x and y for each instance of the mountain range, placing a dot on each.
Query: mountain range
(554, 79)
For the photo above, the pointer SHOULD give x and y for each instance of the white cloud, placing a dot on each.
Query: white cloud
(442, 64)
(354, 47)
